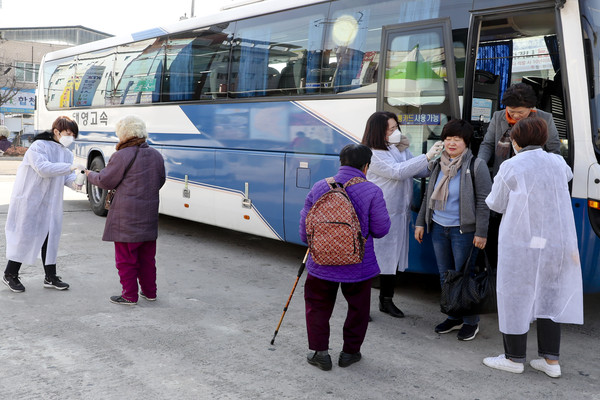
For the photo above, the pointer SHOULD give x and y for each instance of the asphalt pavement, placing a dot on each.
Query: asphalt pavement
(220, 296)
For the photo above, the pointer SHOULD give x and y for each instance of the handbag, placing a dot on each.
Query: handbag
(110, 194)
(470, 291)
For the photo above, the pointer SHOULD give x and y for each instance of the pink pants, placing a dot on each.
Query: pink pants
(135, 261)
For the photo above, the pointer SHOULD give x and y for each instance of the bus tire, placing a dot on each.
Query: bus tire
(96, 195)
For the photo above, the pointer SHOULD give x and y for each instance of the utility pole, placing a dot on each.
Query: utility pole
(192, 15)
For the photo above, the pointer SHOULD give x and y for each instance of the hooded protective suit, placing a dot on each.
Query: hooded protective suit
(393, 171)
(36, 203)
(539, 273)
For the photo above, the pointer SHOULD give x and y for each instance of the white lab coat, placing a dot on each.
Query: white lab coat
(539, 273)
(36, 203)
(393, 171)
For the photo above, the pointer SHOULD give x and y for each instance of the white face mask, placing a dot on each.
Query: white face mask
(66, 140)
(395, 137)
(513, 146)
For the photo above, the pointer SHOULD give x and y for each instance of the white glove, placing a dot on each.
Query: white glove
(75, 186)
(435, 150)
(77, 166)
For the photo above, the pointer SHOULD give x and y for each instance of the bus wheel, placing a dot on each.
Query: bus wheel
(96, 195)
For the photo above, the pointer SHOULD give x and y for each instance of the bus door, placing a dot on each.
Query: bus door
(420, 86)
(515, 43)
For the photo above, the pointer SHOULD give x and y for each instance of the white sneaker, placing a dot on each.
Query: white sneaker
(552, 370)
(504, 364)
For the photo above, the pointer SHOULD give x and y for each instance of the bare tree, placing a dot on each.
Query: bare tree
(8, 85)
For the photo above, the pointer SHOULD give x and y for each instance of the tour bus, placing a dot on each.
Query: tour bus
(251, 106)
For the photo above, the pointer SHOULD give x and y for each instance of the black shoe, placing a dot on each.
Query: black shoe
(468, 332)
(348, 359)
(387, 306)
(322, 361)
(146, 297)
(13, 283)
(449, 325)
(120, 300)
(54, 282)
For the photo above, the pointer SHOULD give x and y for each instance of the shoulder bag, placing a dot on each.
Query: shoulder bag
(111, 192)
(470, 291)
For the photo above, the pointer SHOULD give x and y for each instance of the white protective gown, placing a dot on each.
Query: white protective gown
(393, 171)
(36, 203)
(539, 272)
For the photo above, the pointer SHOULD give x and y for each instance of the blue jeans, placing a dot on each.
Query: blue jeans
(452, 249)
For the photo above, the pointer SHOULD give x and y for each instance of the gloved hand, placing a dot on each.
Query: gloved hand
(77, 166)
(435, 150)
(75, 186)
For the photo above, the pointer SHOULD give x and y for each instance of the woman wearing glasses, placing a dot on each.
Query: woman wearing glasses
(392, 168)
(519, 100)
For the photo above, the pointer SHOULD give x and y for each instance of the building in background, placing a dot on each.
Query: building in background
(21, 51)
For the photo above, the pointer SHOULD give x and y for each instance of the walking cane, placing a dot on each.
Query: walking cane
(291, 294)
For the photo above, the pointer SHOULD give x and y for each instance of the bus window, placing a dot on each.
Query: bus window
(278, 54)
(591, 26)
(138, 72)
(58, 83)
(353, 40)
(92, 73)
(420, 83)
(197, 64)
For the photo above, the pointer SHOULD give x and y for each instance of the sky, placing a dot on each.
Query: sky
(116, 17)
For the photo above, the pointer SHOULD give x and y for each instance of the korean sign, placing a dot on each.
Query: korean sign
(23, 102)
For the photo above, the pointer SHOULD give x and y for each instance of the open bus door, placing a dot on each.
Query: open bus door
(513, 43)
(418, 82)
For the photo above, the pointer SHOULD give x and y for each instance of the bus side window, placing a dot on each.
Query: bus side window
(194, 61)
(273, 56)
(138, 71)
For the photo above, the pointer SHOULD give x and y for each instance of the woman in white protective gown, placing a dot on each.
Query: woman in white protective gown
(393, 168)
(539, 272)
(34, 220)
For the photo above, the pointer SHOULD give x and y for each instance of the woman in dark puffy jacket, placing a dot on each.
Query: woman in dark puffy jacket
(132, 222)
(322, 282)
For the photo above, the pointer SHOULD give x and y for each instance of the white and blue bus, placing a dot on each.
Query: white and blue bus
(251, 106)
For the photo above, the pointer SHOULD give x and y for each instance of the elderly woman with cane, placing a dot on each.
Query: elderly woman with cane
(138, 171)
(323, 281)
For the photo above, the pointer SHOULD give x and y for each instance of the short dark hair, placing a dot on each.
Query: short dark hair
(64, 123)
(532, 131)
(519, 95)
(355, 155)
(460, 128)
(376, 129)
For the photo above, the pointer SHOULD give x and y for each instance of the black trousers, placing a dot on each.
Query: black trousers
(13, 267)
(386, 285)
(491, 247)
(548, 337)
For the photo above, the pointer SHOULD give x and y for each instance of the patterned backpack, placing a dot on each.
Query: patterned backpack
(333, 229)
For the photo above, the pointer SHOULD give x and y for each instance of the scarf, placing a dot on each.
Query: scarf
(136, 141)
(449, 169)
(504, 147)
(404, 143)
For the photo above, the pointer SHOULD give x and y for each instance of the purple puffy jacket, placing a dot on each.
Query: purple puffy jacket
(369, 204)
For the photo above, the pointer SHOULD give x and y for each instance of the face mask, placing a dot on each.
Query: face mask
(66, 140)
(395, 137)
(513, 146)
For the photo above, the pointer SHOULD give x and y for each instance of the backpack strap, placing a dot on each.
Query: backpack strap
(472, 171)
(353, 181)
(332, 183)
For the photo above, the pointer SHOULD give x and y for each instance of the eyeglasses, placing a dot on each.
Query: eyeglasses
(392, 129)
